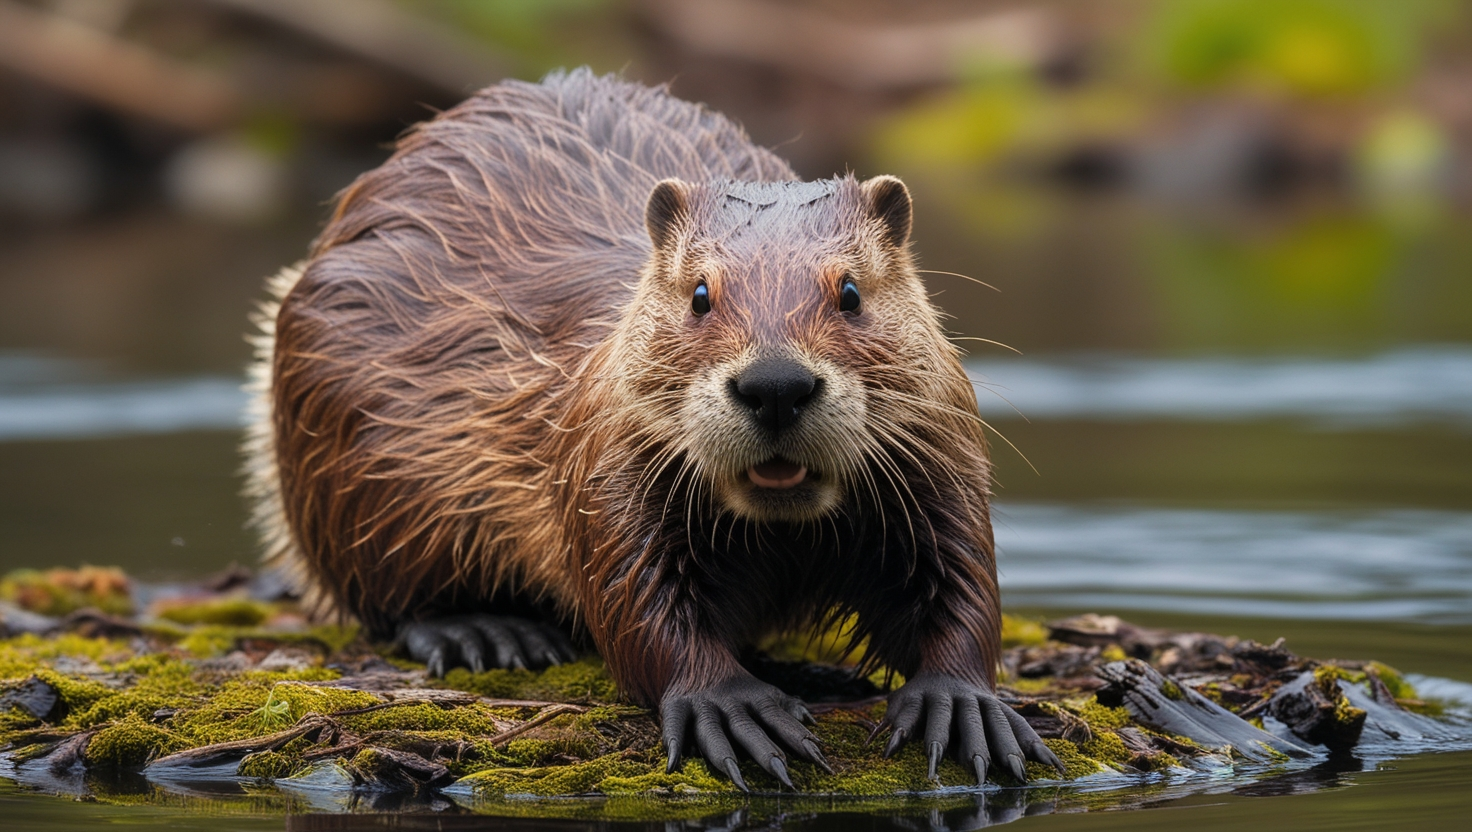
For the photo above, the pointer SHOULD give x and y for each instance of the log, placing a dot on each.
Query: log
(1166, 705)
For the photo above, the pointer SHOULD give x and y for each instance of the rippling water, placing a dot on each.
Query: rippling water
(1404, 565)
(50, 398)
(1432, 384)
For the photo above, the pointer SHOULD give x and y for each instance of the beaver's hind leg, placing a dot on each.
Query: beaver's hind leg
(479, 641)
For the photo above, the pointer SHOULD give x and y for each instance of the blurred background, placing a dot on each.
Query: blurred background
(1231, 239)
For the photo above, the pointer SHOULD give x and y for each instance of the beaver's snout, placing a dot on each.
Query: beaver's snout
(775, 390)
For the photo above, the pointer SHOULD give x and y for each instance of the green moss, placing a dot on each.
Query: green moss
(1346, 714)
(230, 612)
(131, 742)
(467, 720)
(1326, 674)
(1327, 677)
(77, 695)
(25, 654)
(578, 778)
(559, 747)
(1107, 748)
(269, 765)
(692, 778)
(1075, 764)
(1171, 690)
(1100, 716)
(858, 766)
(209, 641)
(61, 591)
(1031, 686)
(1022, 632)
(1212, 691)
(1393, 680)
(231, 712)
(163, 683)
(582, 681)
(1154, 761)
(1113, 653)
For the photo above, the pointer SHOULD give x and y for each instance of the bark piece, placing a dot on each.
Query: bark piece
(1314, 708)
(1166, 705)
(34, 696)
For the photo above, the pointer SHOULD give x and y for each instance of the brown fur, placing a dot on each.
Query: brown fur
(487, 390)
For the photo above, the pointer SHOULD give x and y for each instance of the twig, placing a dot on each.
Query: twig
(544, 716)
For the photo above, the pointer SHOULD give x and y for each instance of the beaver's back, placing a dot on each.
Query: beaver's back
(419, 358)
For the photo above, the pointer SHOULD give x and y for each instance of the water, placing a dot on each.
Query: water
(1401, 565)
(1388, 390)
(1195, 447)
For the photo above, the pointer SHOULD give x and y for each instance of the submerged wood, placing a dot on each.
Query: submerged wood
(1169, 706)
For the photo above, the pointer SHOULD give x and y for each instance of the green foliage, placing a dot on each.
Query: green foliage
(274, 714)
(1304, 47)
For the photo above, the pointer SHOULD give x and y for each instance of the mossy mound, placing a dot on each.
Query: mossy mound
(243, 686)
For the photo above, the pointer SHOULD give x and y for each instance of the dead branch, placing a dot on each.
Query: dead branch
(857, 56)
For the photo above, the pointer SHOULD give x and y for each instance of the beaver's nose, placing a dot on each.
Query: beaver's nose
(775, 390)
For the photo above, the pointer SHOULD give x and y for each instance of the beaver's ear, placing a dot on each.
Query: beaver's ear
(665, 212)
(889, 202)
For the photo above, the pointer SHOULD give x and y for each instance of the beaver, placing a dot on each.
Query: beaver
(581, 355)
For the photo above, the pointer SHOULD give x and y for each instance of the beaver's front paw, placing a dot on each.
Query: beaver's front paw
(748, 711)
(480, 641)
(982, 725)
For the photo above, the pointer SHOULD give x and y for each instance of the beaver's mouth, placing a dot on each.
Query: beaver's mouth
(777, 473)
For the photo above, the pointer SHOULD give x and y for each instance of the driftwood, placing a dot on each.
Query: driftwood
(34, 696)
(312, 726)
(1314, 707)
(1169, 706)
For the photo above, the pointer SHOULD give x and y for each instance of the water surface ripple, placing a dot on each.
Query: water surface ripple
(1392, 389)
(1413, 565)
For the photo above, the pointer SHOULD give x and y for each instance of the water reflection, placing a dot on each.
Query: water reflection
(1387, 564)
(1393, 389)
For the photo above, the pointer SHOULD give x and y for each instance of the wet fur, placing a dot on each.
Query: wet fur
(485, 390)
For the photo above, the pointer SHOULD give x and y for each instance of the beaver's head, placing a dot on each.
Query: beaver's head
(780, 347)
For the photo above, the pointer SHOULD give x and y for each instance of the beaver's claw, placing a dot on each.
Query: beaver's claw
(746, 710)
(481, 641)
(984, 728)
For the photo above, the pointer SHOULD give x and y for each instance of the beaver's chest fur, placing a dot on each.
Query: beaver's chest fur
(580, 353)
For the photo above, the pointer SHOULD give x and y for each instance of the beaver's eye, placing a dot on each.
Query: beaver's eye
(848, 296)
(700, 302)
